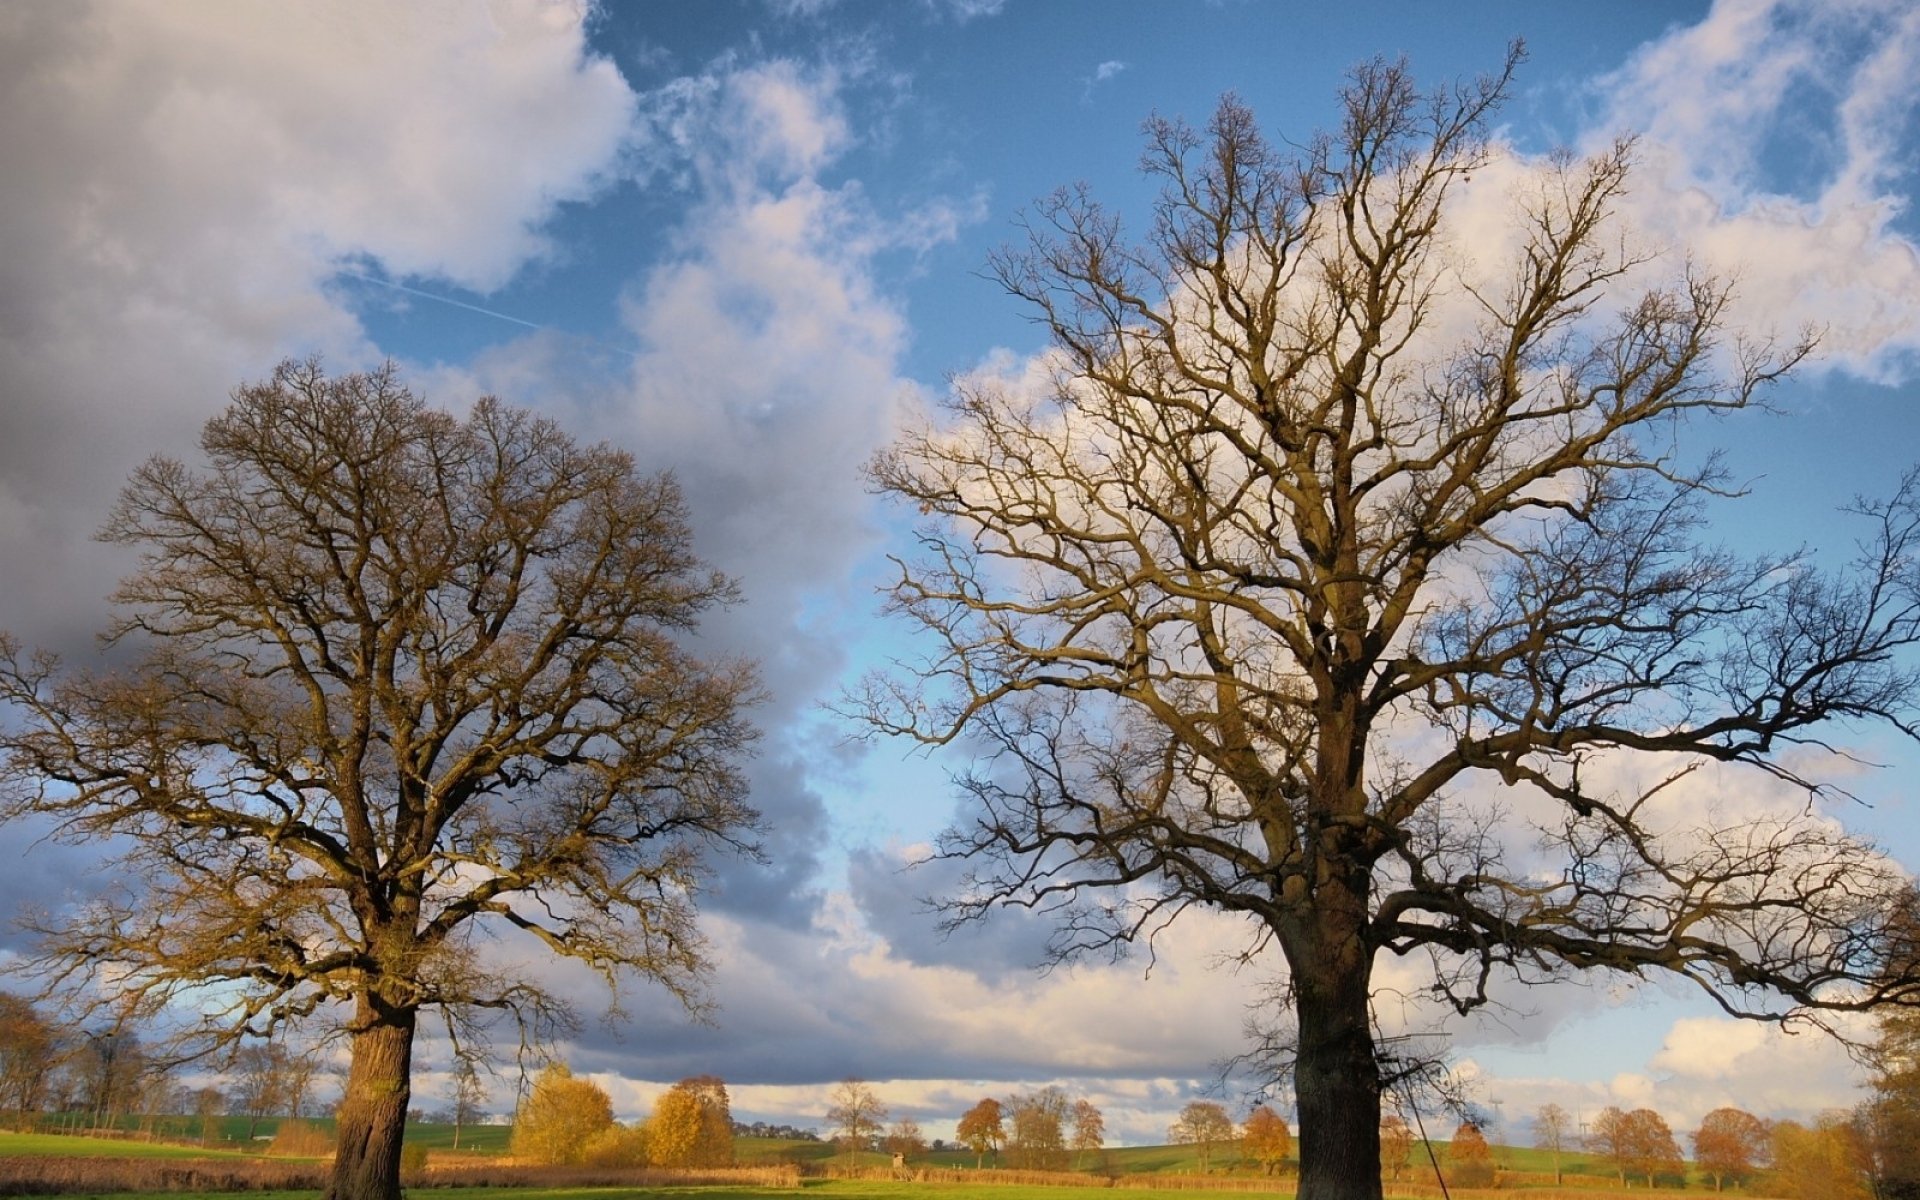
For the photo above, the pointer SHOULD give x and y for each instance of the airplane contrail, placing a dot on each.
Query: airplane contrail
(412, 291)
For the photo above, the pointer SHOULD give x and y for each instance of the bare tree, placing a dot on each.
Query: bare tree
(1396, 1144)
(1553, 1132)
(857, 1113)
(393, 679)
(1037, 1133)
(1288, 573)
(1203, 1124)
(465, 1093)
(904, 1139)
(260, 1082)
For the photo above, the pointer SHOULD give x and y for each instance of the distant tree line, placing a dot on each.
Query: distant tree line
(81, 1079)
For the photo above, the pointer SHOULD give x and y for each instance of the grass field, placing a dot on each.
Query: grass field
(1584, 1176)
(65, 1146)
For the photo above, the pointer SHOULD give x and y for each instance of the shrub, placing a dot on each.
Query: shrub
(413, 1165)
(617, 1146)
(301, 1139)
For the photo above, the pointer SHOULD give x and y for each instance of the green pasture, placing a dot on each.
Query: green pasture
(67, 1146)
(1581, 1171)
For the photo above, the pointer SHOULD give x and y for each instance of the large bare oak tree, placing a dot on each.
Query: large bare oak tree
(391, 681)
(1303, 598)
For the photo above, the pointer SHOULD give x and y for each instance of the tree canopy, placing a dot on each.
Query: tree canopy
(560, 1117)
(981, 1129)
(388, 682)
(1351, 578)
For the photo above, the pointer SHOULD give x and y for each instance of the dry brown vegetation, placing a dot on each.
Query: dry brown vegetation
(47, 1175)
(50, 1175)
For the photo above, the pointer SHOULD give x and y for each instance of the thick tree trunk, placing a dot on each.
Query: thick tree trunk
(373, 1111)
(1336, 1077)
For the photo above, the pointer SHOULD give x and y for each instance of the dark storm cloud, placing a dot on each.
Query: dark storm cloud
(901, 898)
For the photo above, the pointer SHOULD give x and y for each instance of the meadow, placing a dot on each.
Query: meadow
(44, 1164)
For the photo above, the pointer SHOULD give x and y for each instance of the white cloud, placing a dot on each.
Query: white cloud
(182, 181)
(1764, 90)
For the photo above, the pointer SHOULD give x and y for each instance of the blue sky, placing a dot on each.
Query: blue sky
(744, 238)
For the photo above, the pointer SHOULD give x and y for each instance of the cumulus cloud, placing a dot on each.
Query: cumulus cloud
(1770, 145)
(183, 181)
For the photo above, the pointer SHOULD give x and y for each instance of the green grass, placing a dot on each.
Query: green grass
(65, 1146)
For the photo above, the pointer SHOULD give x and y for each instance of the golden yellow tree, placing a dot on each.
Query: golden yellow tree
(692, 1125)
(1266, 1139)
(1469, 1158)
(561, 1116)
(1825, 1161)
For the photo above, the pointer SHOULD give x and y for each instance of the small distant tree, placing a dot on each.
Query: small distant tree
(1202, 1125)
(1089, 1128)
(857, 1113)
(1552, 1132)
(1037, 1140)
(1266, 1139)
(260, 1077)
(1469, 1158)
(29, 1046)
(905, 1139)
(465, 1094)
(982, 1130)
(1650, 1148)
(1610, 1138)
(1729, 1144)
(1396, 1144)
(561, 1115)
(208, 1103)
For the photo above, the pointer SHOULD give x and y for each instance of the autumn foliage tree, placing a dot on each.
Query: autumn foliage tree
(1824, 1161)
(389, 680)
(560, 1118)
(1637, 1143)
(1265, 1138)
(1396, 1144)
(692, 1125)
(1328, 527)
(1730, 1144)
(1089, 1128)
(982, 1129)
(1469, 1158)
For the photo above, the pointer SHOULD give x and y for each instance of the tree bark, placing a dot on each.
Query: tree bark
(373, 1110)
(1336, 1077)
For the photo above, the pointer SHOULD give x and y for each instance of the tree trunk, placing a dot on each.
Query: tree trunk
(373, 1110)
(1336, 1078)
